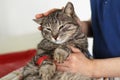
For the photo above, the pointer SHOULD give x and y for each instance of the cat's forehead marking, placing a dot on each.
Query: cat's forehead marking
(56, 20)
(53, 20)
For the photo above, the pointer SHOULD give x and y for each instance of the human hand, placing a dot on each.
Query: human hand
(77, 63)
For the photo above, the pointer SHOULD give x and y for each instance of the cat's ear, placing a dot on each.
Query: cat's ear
(38, 21)
(69, 9)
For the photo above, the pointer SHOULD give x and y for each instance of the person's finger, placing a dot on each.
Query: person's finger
(50, 11)
(37, 16)
(74, 50)
(65, 63)
(62, 68)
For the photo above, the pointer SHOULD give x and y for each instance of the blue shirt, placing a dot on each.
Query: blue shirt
(106, 28)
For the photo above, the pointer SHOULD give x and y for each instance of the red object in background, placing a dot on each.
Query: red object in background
(41, 59)
(12, 61)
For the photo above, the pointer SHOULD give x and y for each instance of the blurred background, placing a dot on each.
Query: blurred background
(17, 29)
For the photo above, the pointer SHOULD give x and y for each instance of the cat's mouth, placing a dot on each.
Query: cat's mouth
(58, 41)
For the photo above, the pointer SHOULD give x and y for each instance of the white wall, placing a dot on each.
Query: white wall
(18, 31)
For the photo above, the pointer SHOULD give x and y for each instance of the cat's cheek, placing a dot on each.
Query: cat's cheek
(46, 34)
(63, 37)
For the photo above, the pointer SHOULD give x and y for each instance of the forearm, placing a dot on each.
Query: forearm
(86, 27)
(106, 67)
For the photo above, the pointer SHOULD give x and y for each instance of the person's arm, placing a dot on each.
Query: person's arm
(106, 67)
(87, 28)
(78, 63)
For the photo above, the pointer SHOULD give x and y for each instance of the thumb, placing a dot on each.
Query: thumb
(75, 50)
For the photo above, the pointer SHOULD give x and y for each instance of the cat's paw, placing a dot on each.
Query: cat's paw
(60, 55)
(47, 70)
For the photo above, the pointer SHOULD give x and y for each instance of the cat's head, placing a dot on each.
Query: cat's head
(60, 25)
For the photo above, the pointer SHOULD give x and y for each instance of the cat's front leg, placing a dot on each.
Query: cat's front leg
(30, 72)
(47, 70)
(61, 53)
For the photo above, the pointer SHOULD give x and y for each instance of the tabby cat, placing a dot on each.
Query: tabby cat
(60, 30)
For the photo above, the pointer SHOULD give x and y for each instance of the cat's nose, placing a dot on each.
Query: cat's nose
(55, 37)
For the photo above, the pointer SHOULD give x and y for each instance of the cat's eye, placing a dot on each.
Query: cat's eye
(48, 29)
(61, 27)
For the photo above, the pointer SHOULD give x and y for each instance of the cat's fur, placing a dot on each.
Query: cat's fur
(60, 30)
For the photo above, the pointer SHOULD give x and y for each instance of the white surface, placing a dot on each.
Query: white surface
(15, 75)
(19, 32)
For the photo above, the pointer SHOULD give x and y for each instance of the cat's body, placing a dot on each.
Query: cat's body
(60, 30)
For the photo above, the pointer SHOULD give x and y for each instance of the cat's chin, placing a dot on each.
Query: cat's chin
(58, 42)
